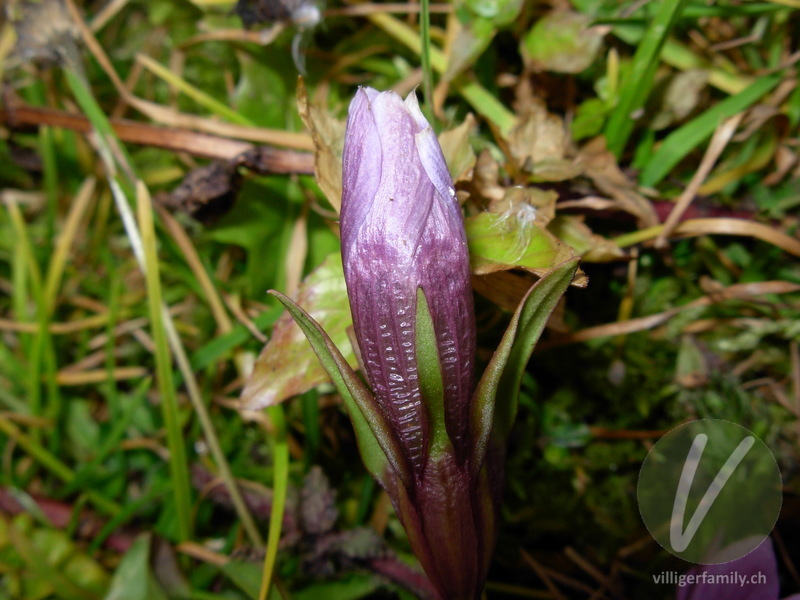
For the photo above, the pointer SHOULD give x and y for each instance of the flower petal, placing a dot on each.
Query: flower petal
(361, 164)
(759, 568)
(432, 159)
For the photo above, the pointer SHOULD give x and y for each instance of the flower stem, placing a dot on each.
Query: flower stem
(427, 70)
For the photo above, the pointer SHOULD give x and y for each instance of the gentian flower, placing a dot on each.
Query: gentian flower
(402, 230)
(404, 250)
(751, 577)
(432, 437)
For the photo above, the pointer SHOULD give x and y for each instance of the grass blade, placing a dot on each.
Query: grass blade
(169, 402)
(199, 96)
(481, 100)
(280, 456)
(637, 85)
(427, 72)
(686, 138)
(52, 463)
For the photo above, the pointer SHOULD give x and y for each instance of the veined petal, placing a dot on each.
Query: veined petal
(404, 249)
(446, 281)
(412, 104)
(403, 233)
(405, 194)
(361, 164)
(383, 305)
(381, 228)
(432, 159)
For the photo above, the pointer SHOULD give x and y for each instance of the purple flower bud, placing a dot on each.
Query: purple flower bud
(436, 447)
(402, 230)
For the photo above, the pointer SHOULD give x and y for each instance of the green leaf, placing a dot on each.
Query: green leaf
(376, 439)
(132, 579)
(495, 399)
(589, 118)
(264, 229)
(352, 587)
(247, 577)
(219, 346)
(500, 242)
(499, 12)
(264, 91)
(469, 44)
(52, 562)
(430, 378)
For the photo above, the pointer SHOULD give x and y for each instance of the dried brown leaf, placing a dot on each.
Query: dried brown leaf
(328, 136)
(516, 198)
(729, 226)
(457, 150)
(599, 165)
(738, 291)
(485, 177)
(287, 365)
(591, 247)
(539, 144)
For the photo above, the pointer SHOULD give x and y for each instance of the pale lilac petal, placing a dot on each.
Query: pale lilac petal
(361, 164)
(381, 229)
(450, 296)
(412, 104)
(402, 229)
(432, 159)
(760, 565)
(405, 195)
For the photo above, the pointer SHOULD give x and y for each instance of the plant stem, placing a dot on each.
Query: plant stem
(427, 71)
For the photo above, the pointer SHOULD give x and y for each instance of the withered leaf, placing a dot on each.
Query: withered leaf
(504, 288)
(678, 97)
(539, 144)
(206, 193)
(599, 165)
(328, 136)
(562, 42)
(591, 247)
(287, 365)
(458, 153)
(485, 177)
(517, 197)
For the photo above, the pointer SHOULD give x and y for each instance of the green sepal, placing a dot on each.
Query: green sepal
(430, 379)
(377, 443)
(495, 399)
